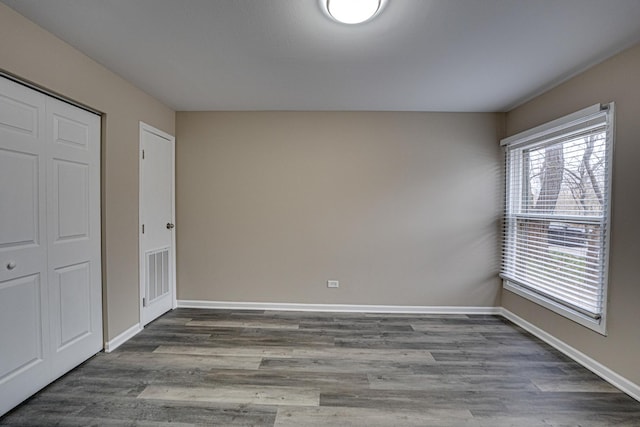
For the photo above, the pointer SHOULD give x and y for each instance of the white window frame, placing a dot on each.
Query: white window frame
(512, 202)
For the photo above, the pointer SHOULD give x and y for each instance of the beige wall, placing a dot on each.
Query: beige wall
(33, 54)
(613, 80)
(400, 207)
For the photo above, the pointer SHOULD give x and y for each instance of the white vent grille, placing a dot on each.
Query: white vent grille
(157, 269)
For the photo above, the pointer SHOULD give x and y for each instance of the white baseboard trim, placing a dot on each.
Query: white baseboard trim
(109, 346)
(615, 379)
(350, 308)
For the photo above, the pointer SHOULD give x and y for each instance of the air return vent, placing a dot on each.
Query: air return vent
(157, 274)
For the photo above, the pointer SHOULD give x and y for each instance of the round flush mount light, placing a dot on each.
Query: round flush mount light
(352, 11)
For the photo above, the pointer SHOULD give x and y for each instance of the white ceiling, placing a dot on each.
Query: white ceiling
(417, 55)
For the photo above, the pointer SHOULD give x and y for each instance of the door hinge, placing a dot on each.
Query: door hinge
(144, 302)
(142, 228)
(142, 154)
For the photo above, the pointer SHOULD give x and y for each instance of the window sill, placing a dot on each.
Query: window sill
(599, 326)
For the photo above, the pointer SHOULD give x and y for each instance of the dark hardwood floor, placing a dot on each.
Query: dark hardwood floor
(228, 368)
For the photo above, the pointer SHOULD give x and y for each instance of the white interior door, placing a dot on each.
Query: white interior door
(73, 224)
(157, 212)
(24, 298)
(50, 278)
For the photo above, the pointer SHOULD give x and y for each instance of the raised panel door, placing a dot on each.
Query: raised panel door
(24, 332)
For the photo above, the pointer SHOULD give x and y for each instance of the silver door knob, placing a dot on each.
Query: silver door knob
(11, 265)
(170, 226)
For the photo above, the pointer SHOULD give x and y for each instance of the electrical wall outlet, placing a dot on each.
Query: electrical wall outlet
(333, 284)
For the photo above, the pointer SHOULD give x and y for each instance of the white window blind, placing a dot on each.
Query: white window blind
(556, 227)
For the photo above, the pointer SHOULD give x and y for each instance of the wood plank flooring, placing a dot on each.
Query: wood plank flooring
(250, 368)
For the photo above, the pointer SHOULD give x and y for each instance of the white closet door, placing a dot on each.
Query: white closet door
(50, 271)
(24, 319)
(73, 224)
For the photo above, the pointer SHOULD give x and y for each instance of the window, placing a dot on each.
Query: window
(556, 228)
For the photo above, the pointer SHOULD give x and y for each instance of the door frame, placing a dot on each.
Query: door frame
(144, 127)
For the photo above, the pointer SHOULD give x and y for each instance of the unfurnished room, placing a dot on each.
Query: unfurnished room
(319, 213)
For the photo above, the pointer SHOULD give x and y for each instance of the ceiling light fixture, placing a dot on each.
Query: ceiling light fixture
(352, 11)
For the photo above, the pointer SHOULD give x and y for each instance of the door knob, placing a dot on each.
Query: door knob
(11, 265)
(170, 225)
